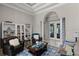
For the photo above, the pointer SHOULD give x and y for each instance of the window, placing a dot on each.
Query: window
(54, 30)
(58, 30)
(51, 32)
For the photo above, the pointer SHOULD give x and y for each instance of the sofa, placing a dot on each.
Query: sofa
(9, 49)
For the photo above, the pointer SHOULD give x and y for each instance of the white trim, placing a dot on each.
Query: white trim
(38, 5)
(24, 7)
(27, 5)
(45, 5)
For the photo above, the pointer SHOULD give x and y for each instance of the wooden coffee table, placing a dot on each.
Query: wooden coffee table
(38, 51)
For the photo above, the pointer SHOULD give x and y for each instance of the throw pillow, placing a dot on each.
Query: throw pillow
(14, 42)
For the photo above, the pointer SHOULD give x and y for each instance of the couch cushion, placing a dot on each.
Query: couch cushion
(14, 42)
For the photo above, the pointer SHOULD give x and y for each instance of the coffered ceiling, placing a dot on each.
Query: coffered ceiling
(31, 8)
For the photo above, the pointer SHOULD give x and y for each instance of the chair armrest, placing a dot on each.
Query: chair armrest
(7, 49)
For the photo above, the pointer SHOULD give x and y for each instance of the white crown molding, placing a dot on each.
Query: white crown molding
(44, 6)
(33, 10)
(38, 5)
(23, 6)
(27, 5)
(48, 8)
(19, 7)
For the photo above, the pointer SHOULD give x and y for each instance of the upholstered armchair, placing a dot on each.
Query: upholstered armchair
(9, 48)
(36, 37)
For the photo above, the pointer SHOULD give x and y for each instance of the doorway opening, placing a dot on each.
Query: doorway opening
(52, 29)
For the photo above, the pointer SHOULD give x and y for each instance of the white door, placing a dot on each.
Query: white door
(54, 33)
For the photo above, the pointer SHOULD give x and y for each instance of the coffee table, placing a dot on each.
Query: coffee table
(38, 51)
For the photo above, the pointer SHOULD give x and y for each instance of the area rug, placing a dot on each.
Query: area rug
(51, 51)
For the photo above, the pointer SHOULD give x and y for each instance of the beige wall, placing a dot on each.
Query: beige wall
(69, 11)
(7, 13)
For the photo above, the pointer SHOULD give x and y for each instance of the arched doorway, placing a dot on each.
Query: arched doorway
(52, 29)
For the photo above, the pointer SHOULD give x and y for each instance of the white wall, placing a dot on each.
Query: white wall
(7, 13)
(69, 11)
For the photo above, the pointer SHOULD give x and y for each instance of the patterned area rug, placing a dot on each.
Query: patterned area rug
(51, 51)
